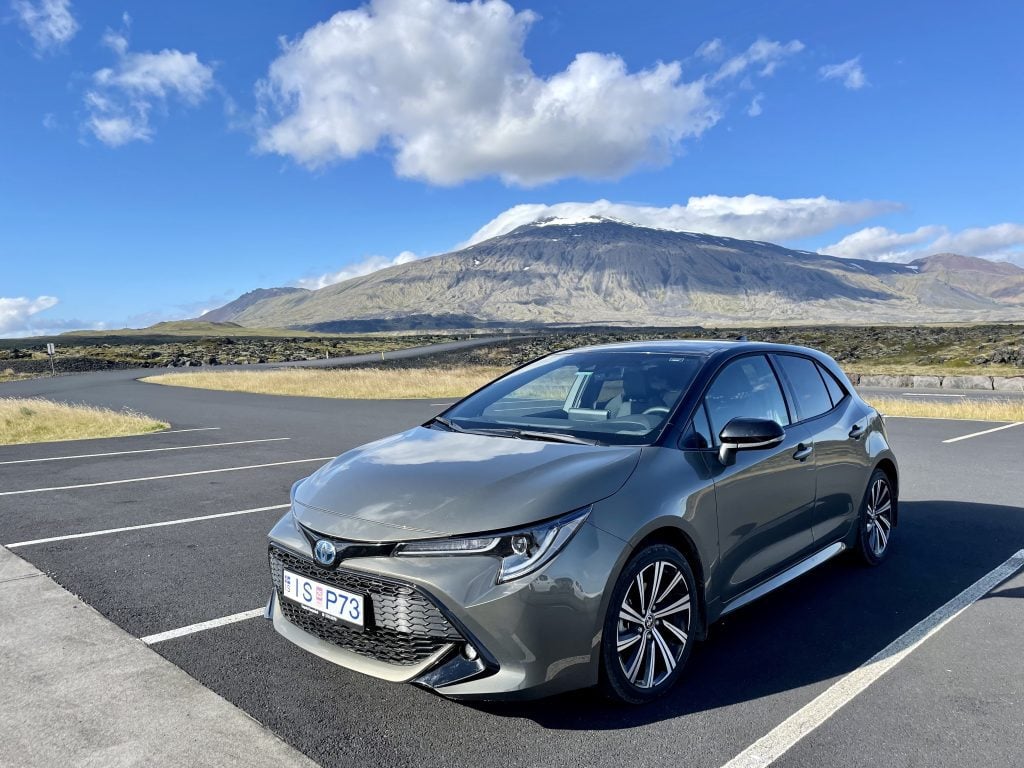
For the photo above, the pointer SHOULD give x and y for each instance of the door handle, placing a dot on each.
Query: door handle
(857, 431)
(803, 451)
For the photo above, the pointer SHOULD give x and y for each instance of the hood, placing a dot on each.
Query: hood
(426, 483)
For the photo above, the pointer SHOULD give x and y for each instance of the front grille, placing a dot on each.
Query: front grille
(404, 626)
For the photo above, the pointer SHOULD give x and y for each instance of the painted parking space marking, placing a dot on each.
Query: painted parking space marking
(784, 736)
(983, 432)
(163, 477)
(144, 450)
(175, 431)
(124, 529)
(202, 626)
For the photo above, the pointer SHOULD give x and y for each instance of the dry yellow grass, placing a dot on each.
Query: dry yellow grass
(453, 382)
(349, 383)
(990, 409)
(8, 374)
(34, 420)
(914, 369)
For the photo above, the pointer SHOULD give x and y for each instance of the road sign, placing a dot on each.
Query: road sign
(49, 348)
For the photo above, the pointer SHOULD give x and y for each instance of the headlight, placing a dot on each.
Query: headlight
(521, 552)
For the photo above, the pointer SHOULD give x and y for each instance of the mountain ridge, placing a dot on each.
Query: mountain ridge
(603, 271)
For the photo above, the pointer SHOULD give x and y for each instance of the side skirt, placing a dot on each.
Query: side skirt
(785, 577)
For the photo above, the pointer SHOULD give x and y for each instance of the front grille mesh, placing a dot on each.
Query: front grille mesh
(404, 627)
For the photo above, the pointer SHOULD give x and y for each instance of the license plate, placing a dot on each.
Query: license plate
(324, 599)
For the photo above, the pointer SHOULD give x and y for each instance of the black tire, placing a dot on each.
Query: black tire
(877, 519)
(668, 639)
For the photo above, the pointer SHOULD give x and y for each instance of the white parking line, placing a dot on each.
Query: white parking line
(983, 432)
(928, 418)
(144, 450)
(180, 521)
(201, 627)
(163, 477)
(172, 431)
(780, 739)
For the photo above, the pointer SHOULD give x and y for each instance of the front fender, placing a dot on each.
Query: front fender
(674, 502)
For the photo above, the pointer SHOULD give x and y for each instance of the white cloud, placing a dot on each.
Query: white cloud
(446, 87)
(49, 22)
(1001, 242)
(16, 313)
(711, 49)
(764, 56)
(755, 217)
(849, 71)
(755, 109)
(123, 96)
(364, 267)
(881, 244)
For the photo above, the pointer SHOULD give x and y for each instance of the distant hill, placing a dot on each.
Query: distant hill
(246, 300)
(182, 329)
(601, 271)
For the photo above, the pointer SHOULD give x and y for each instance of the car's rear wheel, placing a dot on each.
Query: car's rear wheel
(648, 631)
(877, 516)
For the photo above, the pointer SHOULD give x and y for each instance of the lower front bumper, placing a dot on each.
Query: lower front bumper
(349, 659)
(536, 636)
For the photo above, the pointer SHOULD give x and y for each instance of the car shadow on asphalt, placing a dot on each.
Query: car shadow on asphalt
(819, 627)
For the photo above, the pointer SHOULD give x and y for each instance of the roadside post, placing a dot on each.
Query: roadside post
(51, 351)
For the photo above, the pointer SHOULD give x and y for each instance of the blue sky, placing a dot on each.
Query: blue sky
(158, 159)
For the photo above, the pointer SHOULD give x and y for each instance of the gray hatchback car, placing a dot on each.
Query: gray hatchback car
(583, 519)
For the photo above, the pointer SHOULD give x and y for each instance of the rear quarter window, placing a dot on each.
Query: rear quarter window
(835, 389)
(809, 390)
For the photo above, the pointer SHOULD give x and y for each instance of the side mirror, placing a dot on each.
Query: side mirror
(743, 434)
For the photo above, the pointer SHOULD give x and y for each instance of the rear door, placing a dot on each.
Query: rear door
(766, 498)
(831, 417)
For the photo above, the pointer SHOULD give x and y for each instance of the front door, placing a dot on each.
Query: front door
(766, 498)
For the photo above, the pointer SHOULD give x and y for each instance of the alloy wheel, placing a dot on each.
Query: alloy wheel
(878, 518)
(653, 625)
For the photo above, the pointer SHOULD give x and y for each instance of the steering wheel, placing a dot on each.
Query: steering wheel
(656, 409)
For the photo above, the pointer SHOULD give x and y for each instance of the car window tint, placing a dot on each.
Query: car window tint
(745, 387)
(697, 434)
(811, 396)
(835, 389)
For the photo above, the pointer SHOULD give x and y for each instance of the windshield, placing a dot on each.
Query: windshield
(615, 398)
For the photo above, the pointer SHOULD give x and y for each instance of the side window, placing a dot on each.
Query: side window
(698, 433)
(811, 396)
(835, 389)
(745, 387)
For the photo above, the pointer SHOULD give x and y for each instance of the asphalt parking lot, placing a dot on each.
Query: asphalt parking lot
(957, 698)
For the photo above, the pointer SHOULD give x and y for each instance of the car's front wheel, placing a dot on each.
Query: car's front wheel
(648, 631)
(877, 517)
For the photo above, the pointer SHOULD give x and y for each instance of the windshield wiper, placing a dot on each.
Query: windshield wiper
(448, 424)
(453, 427)
(521, 434)
(554, 437)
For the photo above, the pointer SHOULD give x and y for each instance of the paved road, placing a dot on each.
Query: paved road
(925, 393)
(75, 384)
(955, 701)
